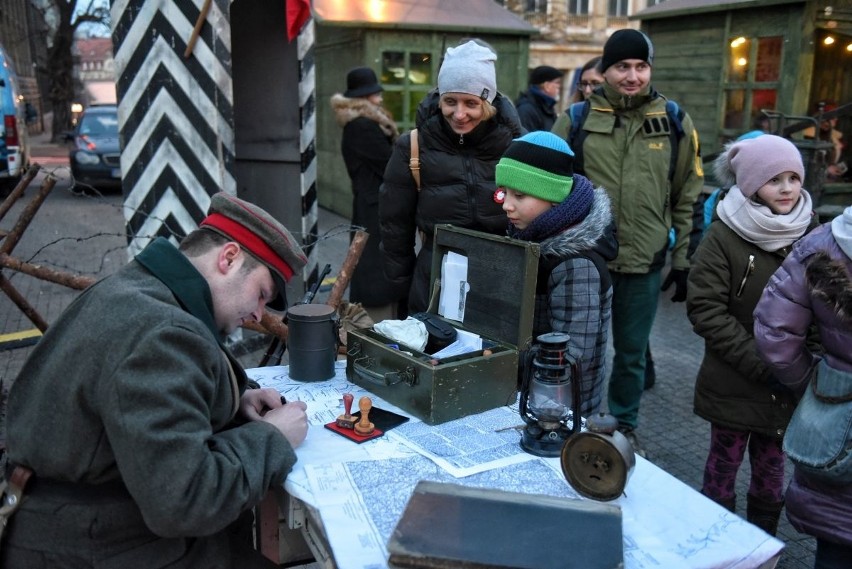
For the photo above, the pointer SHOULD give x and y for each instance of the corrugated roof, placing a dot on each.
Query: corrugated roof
(671, 8)
(470, 15)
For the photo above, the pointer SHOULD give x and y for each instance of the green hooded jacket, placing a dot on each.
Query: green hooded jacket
(627, 151)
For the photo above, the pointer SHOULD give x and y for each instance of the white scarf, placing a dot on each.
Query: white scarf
(757, 224)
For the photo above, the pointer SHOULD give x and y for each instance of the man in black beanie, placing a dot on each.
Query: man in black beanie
(536, 105)
(644, 151)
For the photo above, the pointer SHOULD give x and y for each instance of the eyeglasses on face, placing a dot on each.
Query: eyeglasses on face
(589, 84)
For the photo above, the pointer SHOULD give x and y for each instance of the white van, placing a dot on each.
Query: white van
(14, 140)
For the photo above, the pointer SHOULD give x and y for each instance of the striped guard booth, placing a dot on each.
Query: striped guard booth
(176, 114)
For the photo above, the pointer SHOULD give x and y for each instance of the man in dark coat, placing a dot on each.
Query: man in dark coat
(144, 441)
(537, 105)
(369, 132)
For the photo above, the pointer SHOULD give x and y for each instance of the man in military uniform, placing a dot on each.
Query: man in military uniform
(141, 438)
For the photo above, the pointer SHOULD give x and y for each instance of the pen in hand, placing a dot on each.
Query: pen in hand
(267, 409)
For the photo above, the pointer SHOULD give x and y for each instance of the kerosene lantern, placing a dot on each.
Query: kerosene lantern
(550, 395)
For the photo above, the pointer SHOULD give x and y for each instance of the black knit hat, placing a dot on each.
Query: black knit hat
(627, 44)
(543, 74)
(361, 82)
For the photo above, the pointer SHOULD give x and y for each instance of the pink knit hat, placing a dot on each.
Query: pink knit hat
(755, 161)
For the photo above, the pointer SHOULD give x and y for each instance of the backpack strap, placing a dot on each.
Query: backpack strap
(547, 264)
(414, 161)
(675, 115)
(578, 113)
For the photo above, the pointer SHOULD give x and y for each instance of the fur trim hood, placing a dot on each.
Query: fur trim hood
(596, 231)
(348, 109)
(722, 168)
(830, 282)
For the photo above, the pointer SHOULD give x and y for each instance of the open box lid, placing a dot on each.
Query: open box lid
(501, 276)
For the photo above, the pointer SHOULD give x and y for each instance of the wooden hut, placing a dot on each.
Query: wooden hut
(726, 60)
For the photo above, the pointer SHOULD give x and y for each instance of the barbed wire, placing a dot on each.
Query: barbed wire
(44, 253)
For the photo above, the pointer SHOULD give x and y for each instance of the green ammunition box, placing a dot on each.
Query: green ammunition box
(499, 306)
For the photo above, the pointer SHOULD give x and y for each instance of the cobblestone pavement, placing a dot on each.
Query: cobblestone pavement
(85, 234)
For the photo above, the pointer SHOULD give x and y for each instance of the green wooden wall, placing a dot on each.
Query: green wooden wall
(691, 58)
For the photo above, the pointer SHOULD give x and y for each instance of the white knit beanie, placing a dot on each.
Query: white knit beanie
(469, 68)
(755, 161)
(841, 228)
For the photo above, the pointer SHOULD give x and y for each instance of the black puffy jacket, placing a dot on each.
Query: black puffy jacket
(457, 187)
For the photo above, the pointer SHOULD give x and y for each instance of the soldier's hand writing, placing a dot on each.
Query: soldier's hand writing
(291, 420)
(256, 402)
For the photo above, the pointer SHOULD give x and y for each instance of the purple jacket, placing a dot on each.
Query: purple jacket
(812, 286)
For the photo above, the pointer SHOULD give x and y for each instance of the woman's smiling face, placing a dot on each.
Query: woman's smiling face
(463, 112)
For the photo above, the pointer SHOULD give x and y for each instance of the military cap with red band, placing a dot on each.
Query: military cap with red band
(264, 237)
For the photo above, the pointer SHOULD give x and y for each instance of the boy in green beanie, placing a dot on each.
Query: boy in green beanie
(548, 203)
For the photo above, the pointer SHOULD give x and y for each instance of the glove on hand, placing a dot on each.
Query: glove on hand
(678, 277)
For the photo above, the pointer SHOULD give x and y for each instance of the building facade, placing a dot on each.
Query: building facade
(94, 68)
(573, 31)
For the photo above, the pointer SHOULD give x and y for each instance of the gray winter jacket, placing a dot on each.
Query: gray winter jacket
(574, 297)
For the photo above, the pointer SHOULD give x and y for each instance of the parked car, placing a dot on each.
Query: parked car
(14, 139)
(95, 155)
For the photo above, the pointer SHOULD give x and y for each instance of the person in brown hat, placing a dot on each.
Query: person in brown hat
(146, 445)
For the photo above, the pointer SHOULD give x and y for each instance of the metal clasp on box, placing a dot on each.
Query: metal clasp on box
(362, 367)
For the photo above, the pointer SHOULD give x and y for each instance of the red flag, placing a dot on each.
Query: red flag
(298, 12)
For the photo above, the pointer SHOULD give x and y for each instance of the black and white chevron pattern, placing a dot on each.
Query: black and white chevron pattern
(307, 147)
(176, 117)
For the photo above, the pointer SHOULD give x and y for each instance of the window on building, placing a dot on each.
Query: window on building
(752, 80)
(536, 6)
(578, 7)
(406, 76)
(617, 8)
(655, 2)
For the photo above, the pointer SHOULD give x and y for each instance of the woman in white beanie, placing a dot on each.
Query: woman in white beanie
(757, 221)
(462, 131)
(813, 287)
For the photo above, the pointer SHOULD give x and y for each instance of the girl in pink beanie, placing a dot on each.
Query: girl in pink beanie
(757, 221)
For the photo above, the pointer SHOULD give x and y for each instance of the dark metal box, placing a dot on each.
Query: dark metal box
(499, 307)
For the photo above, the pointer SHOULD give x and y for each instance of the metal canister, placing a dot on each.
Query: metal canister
(598, 462)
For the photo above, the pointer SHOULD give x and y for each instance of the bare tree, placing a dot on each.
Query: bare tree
(64, 18)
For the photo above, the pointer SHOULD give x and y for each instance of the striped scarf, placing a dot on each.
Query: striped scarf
(570, 211)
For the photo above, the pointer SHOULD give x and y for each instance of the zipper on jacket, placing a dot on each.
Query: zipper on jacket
(749, 270)
(461, 139)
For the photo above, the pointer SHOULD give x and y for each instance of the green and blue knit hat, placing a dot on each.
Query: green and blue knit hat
(539, 164)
